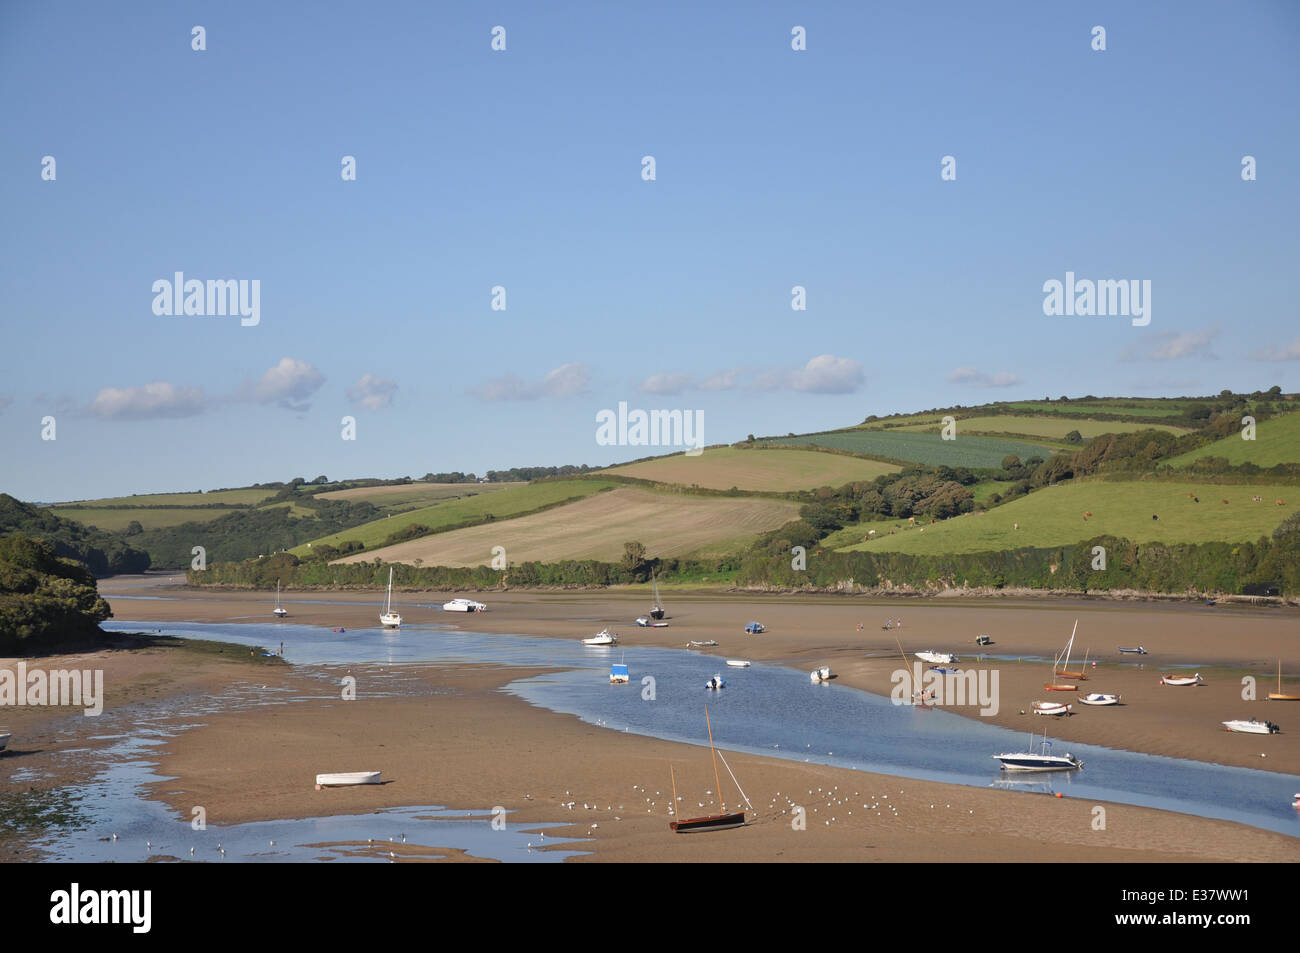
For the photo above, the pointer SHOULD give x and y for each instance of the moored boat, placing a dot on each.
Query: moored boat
(463, 605)
(822, 674)
(754, 628)
(1135, 650)
(388, 618)
(716, 682)
(698, 645)
(657, 610)
(279, 612)
(1278, 695)
(938, 658)
(345, 778)
(1252, 727)
(601, 638)
(5, 735)
(1051, 708)
(1098, 698)
(1028, 761)
(709, 822)
(1181, 679)
(737, 663)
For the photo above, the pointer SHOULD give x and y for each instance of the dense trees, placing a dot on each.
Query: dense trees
(45, 601)
(103, 553)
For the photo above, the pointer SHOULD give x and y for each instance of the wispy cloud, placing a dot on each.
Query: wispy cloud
(721, 380)
(824, 374)
(372, 393)
(666, 384)
(977, 378)
(291, 384)
(1171, 345)
(567, 380)
(1273, 352)
(159, 399)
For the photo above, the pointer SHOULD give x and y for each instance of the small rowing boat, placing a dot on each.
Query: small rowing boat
(737, 663)
(700, 645)
(1181, 679)
(347, 778)
(1136, 650)
(1098, 698)
(1051, 708)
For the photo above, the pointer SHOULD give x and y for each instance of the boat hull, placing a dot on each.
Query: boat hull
(347, 778)
(714, 822)
(1252, 727)
(1098, 699)
(1033, 762)
(4, 739)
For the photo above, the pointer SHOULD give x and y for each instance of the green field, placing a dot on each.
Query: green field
(1054, 517)
(502, 505)
(197, 498)
(1277, 440)
(969, 451)
(722, 468)
(115, 521)
(669, 524)
(1132, 408)
(1053, 428)
(406, 495)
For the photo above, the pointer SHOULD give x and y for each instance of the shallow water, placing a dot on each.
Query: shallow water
(777, 711)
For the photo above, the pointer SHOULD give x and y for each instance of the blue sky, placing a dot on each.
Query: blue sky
(522, 168)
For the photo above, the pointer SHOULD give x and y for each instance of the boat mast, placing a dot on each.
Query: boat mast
(716, 780)
(673, 811)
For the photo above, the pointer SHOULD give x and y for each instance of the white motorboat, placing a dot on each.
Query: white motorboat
(279, 612)
(1051, 708)
(938, 658)
(822, 674)
(603, 637)
(1252, 727)
(717, 681)
(388, 618)
(1028, 761)
(463, 605)
(5, 735)
(737, 663)
(1098, 698)
(1181, 679)
(346, 778)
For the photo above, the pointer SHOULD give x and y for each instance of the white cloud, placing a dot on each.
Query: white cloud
(1171, 345)
(372, 393)
(969, 375)
(722, 380)
(665, 384)
(828, 374)
(152, 401)
(291, 383)
(566, 380)
(1278, 352)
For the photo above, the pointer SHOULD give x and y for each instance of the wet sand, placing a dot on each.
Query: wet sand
(456, 740)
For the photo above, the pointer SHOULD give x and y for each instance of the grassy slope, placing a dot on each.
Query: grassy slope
(410, 495)
(596, 528)
(771, 470)
(1052, 428)
(115, 521)
(502, 505)
(1276, 441)
(968, 451)
(1054, 516)
(245, 496)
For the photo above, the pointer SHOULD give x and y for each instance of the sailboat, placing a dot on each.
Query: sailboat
(710, 822)
(388, 617)
(1278, 696)
(279, 612)
(656, 610)
(1055, 686)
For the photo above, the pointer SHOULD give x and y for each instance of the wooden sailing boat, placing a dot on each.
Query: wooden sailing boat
(710, 822)
(279, 612)
(1055, 686)
(1278, 696)
(657, 610)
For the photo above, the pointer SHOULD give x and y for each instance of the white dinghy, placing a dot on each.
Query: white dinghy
(1051, 708)
(347, 778)
(822, 674)
(1098, 698)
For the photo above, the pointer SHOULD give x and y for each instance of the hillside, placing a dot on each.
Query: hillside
(1277, 440)
(722, 468)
